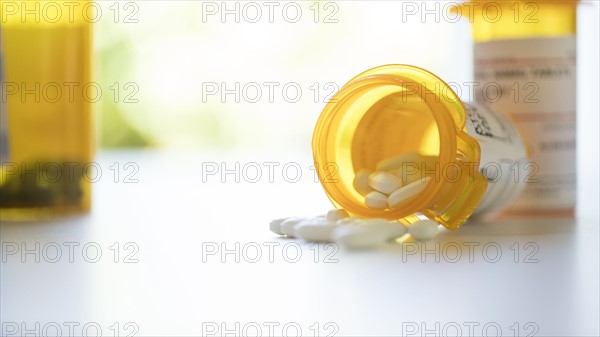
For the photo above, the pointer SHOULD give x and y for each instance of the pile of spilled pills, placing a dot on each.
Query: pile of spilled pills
(351, 232)
(392, 182)
(385, 188)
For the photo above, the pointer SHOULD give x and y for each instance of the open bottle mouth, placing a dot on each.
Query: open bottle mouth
(386, 112)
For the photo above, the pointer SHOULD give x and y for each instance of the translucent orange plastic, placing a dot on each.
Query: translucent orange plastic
(520, 18)
(393, 110)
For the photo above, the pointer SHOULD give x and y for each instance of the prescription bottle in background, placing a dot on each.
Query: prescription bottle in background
(46, 116)
(451, 158)
(525, 68)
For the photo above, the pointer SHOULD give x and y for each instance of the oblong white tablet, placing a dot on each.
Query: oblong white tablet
(407, 192)
(424, 230)
(397, 161)
(275, 226)
(361, 182)
(384, 182)
(315, 230)
(289, 224)
(393, 229)
(376, 200)
(337, 214)
(358, 237)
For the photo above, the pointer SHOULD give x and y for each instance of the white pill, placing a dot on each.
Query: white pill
(424, 229)
(384, 182)
(358, 237)
(348, 221)
(393, 229)
(275, 226)
(315, 230)
(397, 161)
(376, 200)
(288, 225)
(407, 192)
(408, 175)
(336, 214)
(361, 182)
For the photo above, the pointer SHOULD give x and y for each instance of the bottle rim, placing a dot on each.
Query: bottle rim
(335, 125)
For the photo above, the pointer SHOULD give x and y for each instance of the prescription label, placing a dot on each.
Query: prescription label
(503, 157)
(532, 81)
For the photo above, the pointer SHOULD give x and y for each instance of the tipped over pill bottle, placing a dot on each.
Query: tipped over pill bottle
(525, 68)
(396, 142)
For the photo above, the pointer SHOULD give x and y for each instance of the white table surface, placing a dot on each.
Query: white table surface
(171, 218)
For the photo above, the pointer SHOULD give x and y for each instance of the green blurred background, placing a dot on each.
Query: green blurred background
(162, 53)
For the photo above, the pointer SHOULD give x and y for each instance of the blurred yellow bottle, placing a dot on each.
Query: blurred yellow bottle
(47, 97)
(525, 67)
